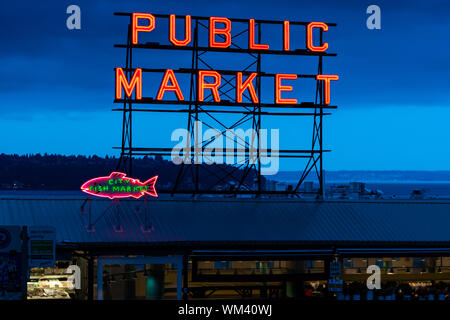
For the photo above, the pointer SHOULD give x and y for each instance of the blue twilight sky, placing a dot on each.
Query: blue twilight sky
(57, 85)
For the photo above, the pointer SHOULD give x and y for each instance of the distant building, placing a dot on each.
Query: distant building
(354, 190)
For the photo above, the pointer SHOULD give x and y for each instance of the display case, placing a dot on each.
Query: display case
(49, 283)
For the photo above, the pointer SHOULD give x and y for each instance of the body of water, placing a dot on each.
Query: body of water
(433, 189)
(399, 188)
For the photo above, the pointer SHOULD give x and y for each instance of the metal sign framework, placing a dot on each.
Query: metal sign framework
(208, 110)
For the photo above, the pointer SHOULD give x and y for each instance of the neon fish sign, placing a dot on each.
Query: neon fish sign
(118, 185)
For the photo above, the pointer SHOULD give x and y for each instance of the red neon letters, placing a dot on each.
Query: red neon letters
(309, 36)
(226, 32)
(135, 27)
(165, 86)
(187, 31)
(220, 36)
(223, 32)
(117, 185)
(248, 84)
(251, 37)
(121, 81)
(214, 86)
(279, 88)
(170, 83)
(286, 36)
(326, 79)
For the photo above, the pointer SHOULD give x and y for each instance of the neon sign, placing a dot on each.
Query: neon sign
(220, 36)
(118, 185)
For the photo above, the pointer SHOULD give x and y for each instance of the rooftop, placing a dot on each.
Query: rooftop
(211, 220)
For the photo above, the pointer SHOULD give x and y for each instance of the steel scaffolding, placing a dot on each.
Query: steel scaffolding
(240, 178)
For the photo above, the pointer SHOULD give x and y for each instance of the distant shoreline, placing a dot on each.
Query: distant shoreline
(371, 176)
(374, 181)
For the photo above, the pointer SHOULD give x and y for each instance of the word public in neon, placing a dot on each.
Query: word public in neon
(117, 185)
(209, 81)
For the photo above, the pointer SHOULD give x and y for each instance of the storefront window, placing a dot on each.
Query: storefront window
(222, 264)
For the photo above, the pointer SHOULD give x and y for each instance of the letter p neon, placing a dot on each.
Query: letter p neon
(135, 27)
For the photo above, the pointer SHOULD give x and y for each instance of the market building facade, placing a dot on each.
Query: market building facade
(238, 248)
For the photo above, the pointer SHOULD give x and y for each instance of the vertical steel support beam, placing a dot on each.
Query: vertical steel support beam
(125, 161)
(195, 85)
(320, 177)
(99, 279)
(180, 281)
(24, 262)
(91, 278)
(185, 277)
(258, 121)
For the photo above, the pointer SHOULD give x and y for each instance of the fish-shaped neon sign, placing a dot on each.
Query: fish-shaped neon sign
(118, 185)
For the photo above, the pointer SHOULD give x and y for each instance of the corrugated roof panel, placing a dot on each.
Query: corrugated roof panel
(236, 220)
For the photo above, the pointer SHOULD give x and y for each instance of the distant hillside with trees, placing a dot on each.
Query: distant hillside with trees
(60, 172)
